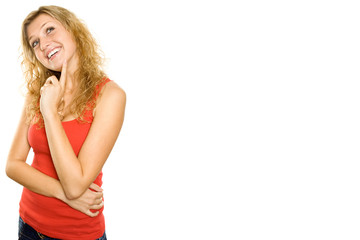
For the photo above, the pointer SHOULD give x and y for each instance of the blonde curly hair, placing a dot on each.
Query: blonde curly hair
(89, 74)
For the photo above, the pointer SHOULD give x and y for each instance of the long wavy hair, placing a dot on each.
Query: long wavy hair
(89, 74)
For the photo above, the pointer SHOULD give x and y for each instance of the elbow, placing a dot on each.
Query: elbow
(73, 187)
(14, 167)
(9, 170)
(72, 193)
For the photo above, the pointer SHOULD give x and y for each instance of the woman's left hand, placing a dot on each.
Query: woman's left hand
(52, 93)
(90, 202)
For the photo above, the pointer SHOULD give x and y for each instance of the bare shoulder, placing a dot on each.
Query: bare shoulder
(112, 88)
(112, 97)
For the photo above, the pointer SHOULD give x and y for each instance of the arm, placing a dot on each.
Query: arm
(77, 173)
(38, 182)
(18, 170)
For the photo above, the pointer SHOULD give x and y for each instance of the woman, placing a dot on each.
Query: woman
(71, 119)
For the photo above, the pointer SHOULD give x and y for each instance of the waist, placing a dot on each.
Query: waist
(58, 220)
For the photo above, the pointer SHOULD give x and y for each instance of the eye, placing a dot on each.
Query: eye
(49, 30)
(35, 43)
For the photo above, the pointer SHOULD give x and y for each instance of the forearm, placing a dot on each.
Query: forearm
(40, 183)
(66, 163)
(34, 180)
(77, 171)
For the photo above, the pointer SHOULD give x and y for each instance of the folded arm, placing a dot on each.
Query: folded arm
(76, 173)
(38, 182)
(18, 170)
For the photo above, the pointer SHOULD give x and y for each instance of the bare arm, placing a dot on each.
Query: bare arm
(77, 173)
(38, 182)
(18, 170)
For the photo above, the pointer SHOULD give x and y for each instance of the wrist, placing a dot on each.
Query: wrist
(59, 193)
(51, 116)
(62, 197)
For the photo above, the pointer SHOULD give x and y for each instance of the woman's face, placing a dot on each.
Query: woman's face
(51, 42)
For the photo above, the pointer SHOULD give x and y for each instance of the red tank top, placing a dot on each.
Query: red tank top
(51, 216)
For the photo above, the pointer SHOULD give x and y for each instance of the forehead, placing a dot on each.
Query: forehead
(38, 23)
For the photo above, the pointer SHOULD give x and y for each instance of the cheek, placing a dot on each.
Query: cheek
(38, 56)
(70, 43)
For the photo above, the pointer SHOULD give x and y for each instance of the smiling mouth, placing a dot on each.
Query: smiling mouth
(53, 53)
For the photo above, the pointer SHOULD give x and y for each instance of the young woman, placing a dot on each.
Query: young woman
(71, 119)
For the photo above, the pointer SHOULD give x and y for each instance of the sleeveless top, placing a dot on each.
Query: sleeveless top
(50, 216)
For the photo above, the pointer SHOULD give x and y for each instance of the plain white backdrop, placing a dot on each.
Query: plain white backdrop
(242, 118)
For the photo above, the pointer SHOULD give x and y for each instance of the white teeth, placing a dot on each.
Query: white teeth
(53, 52)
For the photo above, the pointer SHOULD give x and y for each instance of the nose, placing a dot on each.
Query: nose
(43, 43)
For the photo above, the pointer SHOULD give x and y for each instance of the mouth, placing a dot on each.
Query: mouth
(52, 54)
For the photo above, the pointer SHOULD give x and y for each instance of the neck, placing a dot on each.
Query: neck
(71, 82)
(70, 86)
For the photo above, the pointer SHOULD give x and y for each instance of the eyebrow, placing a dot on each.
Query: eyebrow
(29, 39)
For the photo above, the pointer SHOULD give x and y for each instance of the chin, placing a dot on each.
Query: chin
(56, 68)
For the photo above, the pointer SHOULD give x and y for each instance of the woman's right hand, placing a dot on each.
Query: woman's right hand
(90, 200)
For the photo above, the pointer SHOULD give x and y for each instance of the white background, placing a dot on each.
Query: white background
(242, 120)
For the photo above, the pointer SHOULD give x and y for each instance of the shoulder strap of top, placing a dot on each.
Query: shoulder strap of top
(88, 112)
(100, 86)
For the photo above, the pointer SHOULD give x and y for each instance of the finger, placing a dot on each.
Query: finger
(46, 84)
(95, 187)
(98, 201)
(52, 80)
(98, 195)
(63, 74)
(95, 197)
(92, 214)
(97, 206)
